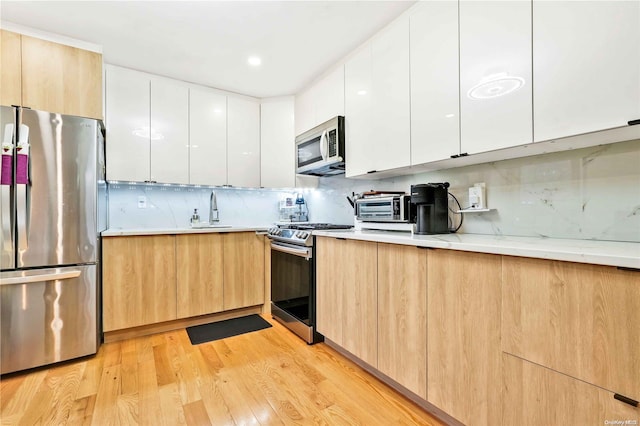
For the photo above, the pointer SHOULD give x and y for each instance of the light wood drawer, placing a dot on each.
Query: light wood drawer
(582, 320)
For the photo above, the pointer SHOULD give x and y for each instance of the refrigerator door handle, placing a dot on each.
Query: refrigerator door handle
(35, 278)
(23, 183)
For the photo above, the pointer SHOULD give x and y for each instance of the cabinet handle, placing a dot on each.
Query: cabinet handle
(626, 400)
(464, 154)
(150, 181)
(425, 248)
(344, 239)
(455, 156)
(371, 171)
(634, 122)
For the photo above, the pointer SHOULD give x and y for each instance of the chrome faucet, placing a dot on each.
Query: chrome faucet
(213, 208)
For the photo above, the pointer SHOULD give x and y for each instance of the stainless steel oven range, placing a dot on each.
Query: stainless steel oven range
(293, 277)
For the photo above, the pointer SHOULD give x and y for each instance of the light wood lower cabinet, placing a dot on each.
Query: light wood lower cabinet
(139, 281)
(346, 293)
(159, 278)
(463, 329)
(243, 269)
(579, 319)
(534, 395)
(402, 315)
(200, 278)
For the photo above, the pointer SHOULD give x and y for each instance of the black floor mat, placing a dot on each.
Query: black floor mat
(227, 328)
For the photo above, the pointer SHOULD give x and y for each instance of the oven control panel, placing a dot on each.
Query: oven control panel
(292, 236)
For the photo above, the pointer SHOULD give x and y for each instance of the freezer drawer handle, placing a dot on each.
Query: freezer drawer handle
(42, 277)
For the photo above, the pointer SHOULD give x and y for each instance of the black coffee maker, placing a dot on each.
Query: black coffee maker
(432, 204)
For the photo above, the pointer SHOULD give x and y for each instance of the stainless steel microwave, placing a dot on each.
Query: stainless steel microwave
(320, 151)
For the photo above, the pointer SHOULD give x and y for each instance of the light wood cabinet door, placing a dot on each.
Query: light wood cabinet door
(10, 69)
(139, 281)
(495, 75)
(534, 395)
(579, 319)
(330, 305)
(207, 137)
(199, 265)
(347, 295)
(243, 269)
(62, 79)
(359, 281)
(435, 101)
(586, 63)
(463, 335)
(402, 315)
(243, 142)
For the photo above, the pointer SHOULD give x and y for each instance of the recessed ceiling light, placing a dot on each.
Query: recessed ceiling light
(254, 61)
(361, 92)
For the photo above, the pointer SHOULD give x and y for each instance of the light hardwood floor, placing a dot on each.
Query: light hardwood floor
(265, 377)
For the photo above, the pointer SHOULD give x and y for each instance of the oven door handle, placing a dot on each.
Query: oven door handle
(290, 249)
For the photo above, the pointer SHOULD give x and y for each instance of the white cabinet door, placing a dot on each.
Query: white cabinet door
(169, 132)
(277, 143)
(207, 137)
(377, 105)
(495, 75)
(390, 76)
(435, 102)
(329, 96)
(305, 114)
(127, 123)
(359, 98)
(243, 142)
(586, 66)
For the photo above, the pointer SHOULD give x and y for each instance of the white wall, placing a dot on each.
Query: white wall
(591, 193)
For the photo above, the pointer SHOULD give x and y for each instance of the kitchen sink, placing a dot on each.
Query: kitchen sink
(205, 225)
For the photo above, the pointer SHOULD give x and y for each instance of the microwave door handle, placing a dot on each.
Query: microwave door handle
(324, 145)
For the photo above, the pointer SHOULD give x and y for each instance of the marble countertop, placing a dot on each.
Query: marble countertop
(120, 232)
(612, 253)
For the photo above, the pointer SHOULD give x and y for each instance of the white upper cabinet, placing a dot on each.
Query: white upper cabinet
(377, 105)
(320, 102)
(305, 112)
(277, 140)
(329, 96)
(586, 66)
(435, 118)
(127, 123)
(243, 142)
(392, 118)
(207, 137)
(169, 132)
(495, 75)
(359, 133)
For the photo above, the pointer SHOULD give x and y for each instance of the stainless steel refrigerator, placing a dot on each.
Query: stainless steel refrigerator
(53, 208)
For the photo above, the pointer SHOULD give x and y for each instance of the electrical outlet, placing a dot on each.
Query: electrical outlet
(142, 202)
(477, 196)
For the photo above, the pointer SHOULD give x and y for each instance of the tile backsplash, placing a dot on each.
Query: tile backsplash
(591, 193)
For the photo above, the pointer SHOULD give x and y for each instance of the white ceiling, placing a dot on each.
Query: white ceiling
(208, 42)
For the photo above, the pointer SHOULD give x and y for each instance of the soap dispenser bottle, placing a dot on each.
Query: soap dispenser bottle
(195, 218)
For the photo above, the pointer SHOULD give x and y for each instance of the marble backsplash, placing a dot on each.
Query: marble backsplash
(591, 193)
